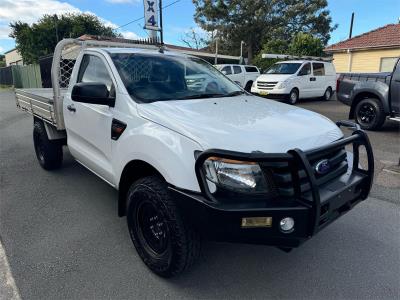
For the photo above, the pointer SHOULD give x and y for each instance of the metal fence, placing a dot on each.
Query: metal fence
(6, 76)
(21, 76)
(26, 76)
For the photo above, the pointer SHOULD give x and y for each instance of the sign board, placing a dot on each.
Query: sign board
(151, 15)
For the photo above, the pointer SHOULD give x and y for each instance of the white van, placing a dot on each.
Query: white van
(243, 75)
(297, 79)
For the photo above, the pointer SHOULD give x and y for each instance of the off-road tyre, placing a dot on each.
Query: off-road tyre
(171, 246)
(370, 114)
(48, 152)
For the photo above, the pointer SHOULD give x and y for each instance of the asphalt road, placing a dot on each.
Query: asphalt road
(63, 239)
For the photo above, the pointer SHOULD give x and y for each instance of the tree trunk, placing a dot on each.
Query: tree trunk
(250, 53)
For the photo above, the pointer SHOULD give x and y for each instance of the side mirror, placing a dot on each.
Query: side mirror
(93, 93)
(224, 72)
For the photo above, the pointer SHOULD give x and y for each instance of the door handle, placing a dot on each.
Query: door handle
(313, 79)
(71, 107)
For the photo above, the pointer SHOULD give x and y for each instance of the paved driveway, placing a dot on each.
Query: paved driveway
(63, 239)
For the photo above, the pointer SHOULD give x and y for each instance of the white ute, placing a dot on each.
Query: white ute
(243, 75)
(216, 163)
(297, 79)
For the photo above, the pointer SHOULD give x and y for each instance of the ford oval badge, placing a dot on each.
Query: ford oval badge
(322, 167)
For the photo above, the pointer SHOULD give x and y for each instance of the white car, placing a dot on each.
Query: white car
(189, 164)
(243, 75)
(297, 79)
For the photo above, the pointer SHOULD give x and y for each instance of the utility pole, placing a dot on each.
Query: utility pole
(161, 25)
(351, 26)
(56, 26)
(242, 43)
(216, 50)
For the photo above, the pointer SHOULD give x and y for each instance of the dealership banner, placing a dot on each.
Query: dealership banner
(151, 15)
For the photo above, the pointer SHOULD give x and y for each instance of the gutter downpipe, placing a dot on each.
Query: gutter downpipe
(350, 59)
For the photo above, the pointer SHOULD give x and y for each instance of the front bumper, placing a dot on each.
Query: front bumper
(279, 94)
(311, 211)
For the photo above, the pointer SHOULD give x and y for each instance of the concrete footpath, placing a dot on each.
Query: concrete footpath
(8, 289)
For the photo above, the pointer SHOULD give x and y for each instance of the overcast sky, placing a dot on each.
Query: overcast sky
(178, 18)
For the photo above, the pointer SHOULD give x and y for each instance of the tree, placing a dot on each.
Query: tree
(39, 39)
(258, 21)
(302, 44)
(195, 40)
(2, 60)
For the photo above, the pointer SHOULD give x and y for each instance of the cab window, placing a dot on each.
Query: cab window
(319, 69)
(305, 70)
(227, 70)
(237, 69)
(93, 69)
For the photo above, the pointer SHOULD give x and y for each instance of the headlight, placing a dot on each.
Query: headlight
(254, 84)
(235, 175)
(282, 84)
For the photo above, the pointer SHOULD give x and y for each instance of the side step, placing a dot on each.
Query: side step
(397, 119)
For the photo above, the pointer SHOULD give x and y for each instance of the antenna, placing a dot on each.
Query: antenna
(351, 26)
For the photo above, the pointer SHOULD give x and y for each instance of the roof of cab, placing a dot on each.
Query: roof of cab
(140, 50)
(301, 61)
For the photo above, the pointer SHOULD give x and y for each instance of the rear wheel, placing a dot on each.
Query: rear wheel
(48, 152)
(328, 94)
(248, 86)
(293, 96)
(370, 114)
(162, 238)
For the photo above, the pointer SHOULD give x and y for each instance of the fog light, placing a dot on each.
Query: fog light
(256, 222)
(287, 225)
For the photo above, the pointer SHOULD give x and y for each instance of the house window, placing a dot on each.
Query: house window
(387, 64)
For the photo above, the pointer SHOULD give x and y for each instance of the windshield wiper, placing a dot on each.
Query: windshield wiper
(235, 93)
(201, 96)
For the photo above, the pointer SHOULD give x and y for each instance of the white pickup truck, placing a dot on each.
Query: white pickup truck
(218, 164)
(243, 75)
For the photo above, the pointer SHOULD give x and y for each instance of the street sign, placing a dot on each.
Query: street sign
(151, 15)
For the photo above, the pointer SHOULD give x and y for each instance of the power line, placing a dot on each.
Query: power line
(138, 19)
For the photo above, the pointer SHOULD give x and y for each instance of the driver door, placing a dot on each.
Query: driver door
(89, 125)
(304, 81)
(395, 89)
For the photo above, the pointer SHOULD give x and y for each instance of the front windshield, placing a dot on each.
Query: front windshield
(152, 77)
(283, 68)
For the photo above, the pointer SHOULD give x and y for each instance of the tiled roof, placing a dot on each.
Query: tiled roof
(383, 37)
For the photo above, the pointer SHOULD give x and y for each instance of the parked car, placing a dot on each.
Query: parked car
(297, 79)
(243, 75)
(372, 97)
(220, 164)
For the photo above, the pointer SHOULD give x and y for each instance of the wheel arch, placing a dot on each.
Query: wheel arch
(133, 171)
(364, 95)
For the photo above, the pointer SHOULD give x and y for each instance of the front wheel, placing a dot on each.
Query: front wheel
(162, 238)
(328, 94)
(48, 152)
(370, 114)
(293, 96)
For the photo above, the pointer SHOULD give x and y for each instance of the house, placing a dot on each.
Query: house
(13, 58)
(373, 51)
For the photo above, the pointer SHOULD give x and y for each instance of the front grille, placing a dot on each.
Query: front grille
(282, 174)
(266, 85)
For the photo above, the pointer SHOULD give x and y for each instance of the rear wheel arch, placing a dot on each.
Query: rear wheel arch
(133, 171)
(361, 96)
